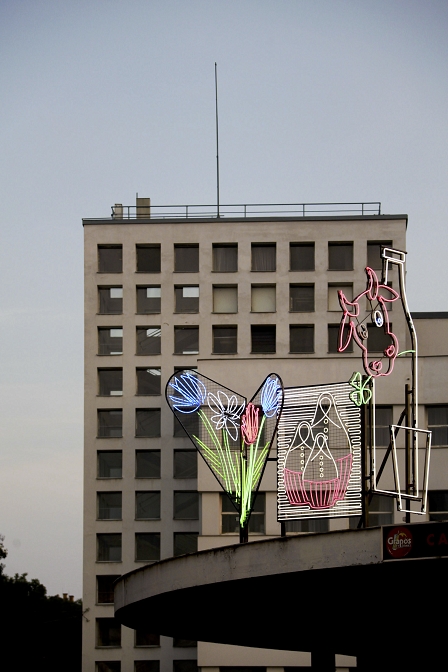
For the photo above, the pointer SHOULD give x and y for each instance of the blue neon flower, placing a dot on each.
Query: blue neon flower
(271, 397)
(192, 393)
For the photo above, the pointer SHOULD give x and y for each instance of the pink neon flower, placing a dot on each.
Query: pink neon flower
(249, 424)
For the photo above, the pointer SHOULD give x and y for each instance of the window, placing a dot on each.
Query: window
(301, 256)
(109, 505)
(185, 542)
(225, 299)
(263, 257)
(186, 340)
(301, 338)
(383, 420)
(147, 505)
(263, 298)
(186, 258)
(110, 300)
(110, 341)
(185, 464)
(110, 464)
(312, 525)
(225, 340)
(438, 504)
(374, 253)
(110, 423)
(263, 338)
(147, 422)
(110, 382)
(253, 669)
(149, 381)
(148, 341)
(179, 643)
(145, 638)
(108, 666)
(148, 299)
(147, 463)
(108, 547)
(333, 339)
(229, 517)
(301, 298)
(190, 422)
(333, 296)
(225, 258)
(185, 666)
(381, 512)
(148, 258)
(340, 256)
(105, 588)
(108, 632)
(110, 259)
(186, 299)
(147, 547)
(438, 424)
(146, 665)
(186, 505)
(378, 339)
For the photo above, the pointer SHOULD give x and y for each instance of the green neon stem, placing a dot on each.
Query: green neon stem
(405, 352)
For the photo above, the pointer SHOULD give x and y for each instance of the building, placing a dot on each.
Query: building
(237, 297)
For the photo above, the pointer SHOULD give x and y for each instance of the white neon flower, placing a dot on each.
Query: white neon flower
(227, 412)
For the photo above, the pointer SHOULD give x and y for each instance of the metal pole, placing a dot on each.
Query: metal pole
(217, 145)
(408, 444)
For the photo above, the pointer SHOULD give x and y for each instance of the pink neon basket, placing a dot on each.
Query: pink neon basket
(318, 494)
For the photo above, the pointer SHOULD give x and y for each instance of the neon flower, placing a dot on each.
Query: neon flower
(192, 393)
(249, 424)
(271, 397)
(351, 327)
(227, 412)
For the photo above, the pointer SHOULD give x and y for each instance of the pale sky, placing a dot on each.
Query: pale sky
(319, 100)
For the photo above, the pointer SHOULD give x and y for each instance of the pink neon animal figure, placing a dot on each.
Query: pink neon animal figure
(379, 297)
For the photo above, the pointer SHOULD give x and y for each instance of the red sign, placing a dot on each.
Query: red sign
(399, 542)
(418, 540)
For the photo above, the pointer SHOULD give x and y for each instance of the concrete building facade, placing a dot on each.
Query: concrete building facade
(237, 298)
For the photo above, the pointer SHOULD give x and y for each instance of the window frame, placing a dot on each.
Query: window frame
(177, 330)
(311, 245)
(100, 452)
(155, 412)
(332, 245)
(103, 262)
(263, 328)
(146, 450)
(302, 285)
(103, 288)
(139, 301)
(157, 340)
(154, 246)
(178, 246)
(297, 327)
(233, 246)
(255, 246)
(233, 338)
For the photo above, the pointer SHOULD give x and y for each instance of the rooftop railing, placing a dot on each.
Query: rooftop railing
(120, 211)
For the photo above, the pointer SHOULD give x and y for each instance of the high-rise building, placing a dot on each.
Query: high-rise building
(237, 297)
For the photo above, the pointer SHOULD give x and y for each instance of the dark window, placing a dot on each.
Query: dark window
(381, 512)
(186, 340)
(108, 632)
(301, 298)
(110, 259)
(146, 665)
(108, 547)
(333, 339)
(374, 253)
(110, 341)
(148, 258)
(263, 338)
(109, 505)
(147, 505)
(147, 463)
(145, 638)
(185, 464)
(185, 666)
(110, 300)
(225, 258)
(147, 422)
(225, 340)
(378, 339)
(186, 258)
(301, 338)
(110, 423)
(383, 420)
(253, 669)
(438, 424)
(110, 464)
(185, 542)
(148, 341)
(438, 504)
(191, 423)
(301, 256)
(263, 257)
(313, 525)
(186, 505)
(108, 666)
(110, 382)
(105, 588)
(340, 256)
(148, 300)
(229, 517)
(147, 547)
(148, 381)
(187, 299)
(184, 643)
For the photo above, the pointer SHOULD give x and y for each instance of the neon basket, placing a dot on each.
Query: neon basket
(318, 494)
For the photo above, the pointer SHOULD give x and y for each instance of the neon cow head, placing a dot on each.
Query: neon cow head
(351, 327)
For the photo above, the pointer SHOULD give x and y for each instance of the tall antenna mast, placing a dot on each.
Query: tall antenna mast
(217, 145)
